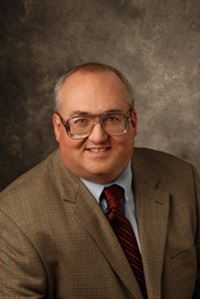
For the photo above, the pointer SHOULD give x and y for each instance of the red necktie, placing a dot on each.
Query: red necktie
(124, 232)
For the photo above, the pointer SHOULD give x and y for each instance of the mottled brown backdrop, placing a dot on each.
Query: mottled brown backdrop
(156, 43)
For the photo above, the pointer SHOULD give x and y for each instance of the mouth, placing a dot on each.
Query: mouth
(98, 150)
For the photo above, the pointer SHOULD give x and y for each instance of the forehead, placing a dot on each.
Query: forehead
(94, 92)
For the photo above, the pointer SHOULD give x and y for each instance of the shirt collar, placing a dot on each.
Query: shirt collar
(124, 180)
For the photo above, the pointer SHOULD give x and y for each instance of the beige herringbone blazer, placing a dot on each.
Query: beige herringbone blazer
(55, 241)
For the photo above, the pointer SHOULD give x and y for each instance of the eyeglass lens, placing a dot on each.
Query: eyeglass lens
(114, 124)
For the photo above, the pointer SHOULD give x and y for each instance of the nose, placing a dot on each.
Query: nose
(98, 135)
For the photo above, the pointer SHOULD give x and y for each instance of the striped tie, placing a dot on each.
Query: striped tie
(124, 232)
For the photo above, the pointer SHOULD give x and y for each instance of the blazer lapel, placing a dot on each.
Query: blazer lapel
(89, 213)
(152, 209)
(93, 219)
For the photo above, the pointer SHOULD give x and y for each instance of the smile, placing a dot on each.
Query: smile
(98, 150)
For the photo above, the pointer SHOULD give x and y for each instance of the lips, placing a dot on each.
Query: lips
(98, 150)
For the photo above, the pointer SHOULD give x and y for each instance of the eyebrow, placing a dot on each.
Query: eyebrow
(79, 112)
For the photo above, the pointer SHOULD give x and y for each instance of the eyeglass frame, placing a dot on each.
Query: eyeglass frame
(67, 126)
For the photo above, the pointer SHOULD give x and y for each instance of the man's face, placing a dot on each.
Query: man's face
(99, 158)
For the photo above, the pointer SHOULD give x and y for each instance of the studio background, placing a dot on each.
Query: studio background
(155, 43)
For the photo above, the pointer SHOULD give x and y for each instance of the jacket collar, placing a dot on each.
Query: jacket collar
(152, 209)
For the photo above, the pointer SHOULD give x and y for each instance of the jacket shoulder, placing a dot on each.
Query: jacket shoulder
(152, 156)
(32, 178)
(161, 163)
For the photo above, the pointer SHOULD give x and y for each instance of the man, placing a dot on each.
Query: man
(57, 234)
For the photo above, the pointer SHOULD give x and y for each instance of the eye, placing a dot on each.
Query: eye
(112, 119)
(80, 121)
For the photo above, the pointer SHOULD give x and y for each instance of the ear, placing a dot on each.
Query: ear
(134, 121)
(57, 126)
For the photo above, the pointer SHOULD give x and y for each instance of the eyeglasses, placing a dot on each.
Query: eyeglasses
(81, 126)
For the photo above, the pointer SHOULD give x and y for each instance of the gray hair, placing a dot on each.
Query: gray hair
(91, 67)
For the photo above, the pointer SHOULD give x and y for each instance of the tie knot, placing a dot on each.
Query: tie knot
(113, 195)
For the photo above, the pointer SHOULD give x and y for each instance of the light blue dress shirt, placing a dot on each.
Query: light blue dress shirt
(125, 181)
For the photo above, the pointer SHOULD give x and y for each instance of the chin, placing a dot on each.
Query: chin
(102, 177)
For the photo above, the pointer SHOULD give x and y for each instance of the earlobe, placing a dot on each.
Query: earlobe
(57, 126)
(134, 121)
(134, 118)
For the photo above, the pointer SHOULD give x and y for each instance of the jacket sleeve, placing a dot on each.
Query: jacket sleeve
(197, 187)
(21, 270)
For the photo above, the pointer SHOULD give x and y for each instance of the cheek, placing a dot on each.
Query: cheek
(69, 147)
(129, 144)
(69, 153)
(123, 148)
